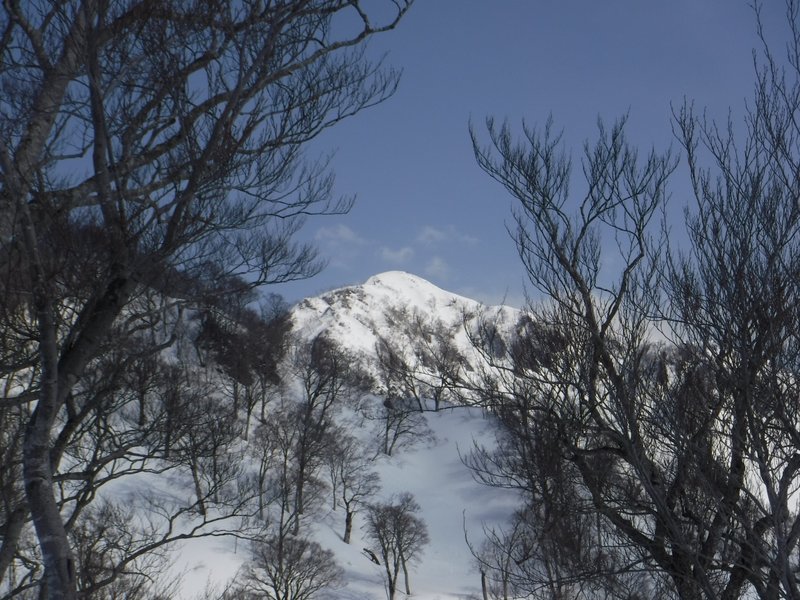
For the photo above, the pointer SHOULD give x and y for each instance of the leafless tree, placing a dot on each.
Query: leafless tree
(733, 301)
(290, 569)
(285, 563)
(275, 446)
(352, 481)
(245, 348)
(109, 564)
(587, 394)
(329, 377)
(400, 424)
(168, 135)
(684, 450)
(168, 422)
(424, 362)
(400, 536)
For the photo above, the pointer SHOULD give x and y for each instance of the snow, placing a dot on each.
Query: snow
(415, 290)
(449, 497)
(357, 308)
(453, 505)
(356, 316)
(451, 501)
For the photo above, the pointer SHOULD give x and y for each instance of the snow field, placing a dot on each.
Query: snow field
(449, 499)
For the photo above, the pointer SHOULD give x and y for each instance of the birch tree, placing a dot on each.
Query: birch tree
(169, 136)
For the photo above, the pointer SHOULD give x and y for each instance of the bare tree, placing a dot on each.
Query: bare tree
(400, 424)
(684, 450)
(329, 377)
(170, 135)
(275, 445)
(587, 395)
(245, 347)
(733, 301)
(292, 569)
(352, 481)
(424, 364)
(400, 536)
(169, 422)
(285, 564)
(105, 541)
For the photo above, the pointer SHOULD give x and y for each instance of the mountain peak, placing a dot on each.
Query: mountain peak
(394, 307)
(397, 279)
(404, 282)
(415, 290)
(357, 316)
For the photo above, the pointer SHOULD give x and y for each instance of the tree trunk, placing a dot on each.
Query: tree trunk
(142, 409)
(59, 572)
(198, 489)
(387, 450)
(348, 526)
(12, 529)
(405, 575)
(58, 377)
(262, 480)
(298, 505)
(302, 465)
(249, 406)
(391, 577)
(391, 585)
(687, 585)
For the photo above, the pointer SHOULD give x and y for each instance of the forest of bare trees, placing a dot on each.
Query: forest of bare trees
(649, 401)
(151, 160)
(153, 176)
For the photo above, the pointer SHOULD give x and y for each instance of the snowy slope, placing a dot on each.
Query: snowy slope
(393, 306)
(451, 501)
(387, 306)
(355, 315)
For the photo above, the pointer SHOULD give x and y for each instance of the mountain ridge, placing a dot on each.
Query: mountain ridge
(406, 315)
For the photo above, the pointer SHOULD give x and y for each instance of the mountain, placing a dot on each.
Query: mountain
(355, 316)
(415, 320)
(190, 456)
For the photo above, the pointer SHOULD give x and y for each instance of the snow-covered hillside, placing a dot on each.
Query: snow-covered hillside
(398, 307)
(356, 315)
(402, 310)
(450, 500)
(229, 438)
(452, 504)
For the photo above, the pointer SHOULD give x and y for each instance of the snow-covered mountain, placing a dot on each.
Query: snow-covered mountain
(356, 316)
(416, 320)
(215, 418)
(406, 314)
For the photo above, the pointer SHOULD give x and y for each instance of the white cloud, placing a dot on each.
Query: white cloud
(430, 235)
(340, 246)
(339, 234)
(437, 267)
(433, 235)
(399, 256)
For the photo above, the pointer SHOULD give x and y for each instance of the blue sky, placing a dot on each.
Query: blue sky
(423, 204)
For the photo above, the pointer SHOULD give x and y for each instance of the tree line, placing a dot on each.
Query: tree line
(152, 175)
(649, 402)
(151, 165)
